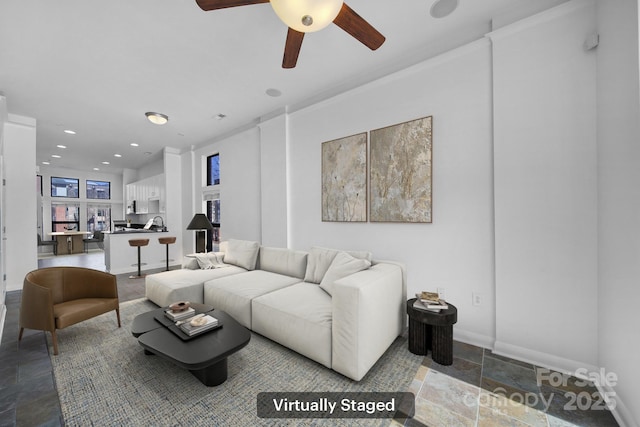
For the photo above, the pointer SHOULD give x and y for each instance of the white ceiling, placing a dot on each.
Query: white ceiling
(97, 67)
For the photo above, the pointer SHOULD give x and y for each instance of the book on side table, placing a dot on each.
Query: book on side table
(430, 301)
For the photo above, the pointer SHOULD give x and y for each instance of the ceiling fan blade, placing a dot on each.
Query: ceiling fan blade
(292, 48)
(355, 25)
(221, 4)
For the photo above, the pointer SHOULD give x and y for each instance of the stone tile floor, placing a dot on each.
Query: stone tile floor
(480, 388)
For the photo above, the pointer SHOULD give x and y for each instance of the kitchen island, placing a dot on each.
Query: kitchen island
(120, 257)
(70, 242)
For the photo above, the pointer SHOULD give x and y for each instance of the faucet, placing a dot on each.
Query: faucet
(162, 222)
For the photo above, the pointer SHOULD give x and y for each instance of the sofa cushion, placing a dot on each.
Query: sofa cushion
(283, 261)
(320, 259)
(342, 265)
(182, 285)
(233, 294)
(242, 253)
(298, 317)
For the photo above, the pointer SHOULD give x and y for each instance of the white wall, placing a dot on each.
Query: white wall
(3, 249)
(273, 179)
(173, 211)
(546, 188)
(240, 198)
(619, 200)
(20, 199)
(456, 250)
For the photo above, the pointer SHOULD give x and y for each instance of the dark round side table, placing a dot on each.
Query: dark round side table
(432, 330)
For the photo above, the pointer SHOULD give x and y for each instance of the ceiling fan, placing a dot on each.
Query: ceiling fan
(303, 16)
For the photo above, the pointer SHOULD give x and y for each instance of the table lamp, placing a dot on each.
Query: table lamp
(200, 223)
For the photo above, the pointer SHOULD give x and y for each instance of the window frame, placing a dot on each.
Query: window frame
(87, 181)
(77, 182)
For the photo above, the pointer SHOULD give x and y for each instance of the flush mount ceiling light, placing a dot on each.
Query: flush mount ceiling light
(70, 132)
(442, 8)
(157, 118)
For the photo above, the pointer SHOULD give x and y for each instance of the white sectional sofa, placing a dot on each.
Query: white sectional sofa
(339, 308)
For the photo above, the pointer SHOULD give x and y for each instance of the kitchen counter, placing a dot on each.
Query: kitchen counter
(135, 230)
(120, 257)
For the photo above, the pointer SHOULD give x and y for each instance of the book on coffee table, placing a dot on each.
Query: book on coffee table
(181, 315)
(210, 323)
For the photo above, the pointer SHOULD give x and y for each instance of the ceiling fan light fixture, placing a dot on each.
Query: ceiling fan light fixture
(157, 118)
(307, 16)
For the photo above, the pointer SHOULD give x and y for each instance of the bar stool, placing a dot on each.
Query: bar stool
(138, 243)
(167, 241)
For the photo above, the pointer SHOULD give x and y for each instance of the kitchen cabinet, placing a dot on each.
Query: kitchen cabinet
(149, 195)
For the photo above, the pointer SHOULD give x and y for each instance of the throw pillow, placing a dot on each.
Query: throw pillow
(242, 253)
(320, 259)
(342, 265)
(190, 263)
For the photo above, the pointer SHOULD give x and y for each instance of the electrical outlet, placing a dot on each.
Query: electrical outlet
(476, 299)
(441, 293)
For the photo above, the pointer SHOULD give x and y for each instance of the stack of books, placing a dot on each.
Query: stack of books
(207, 322)
(180, 315)
(430, 301)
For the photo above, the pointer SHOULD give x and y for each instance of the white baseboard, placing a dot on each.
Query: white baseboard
(472, 338)
(538, 358)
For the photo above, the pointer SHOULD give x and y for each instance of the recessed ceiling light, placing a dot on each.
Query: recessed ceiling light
(46, 163)
(273, 92)
(105, 163)
(55, 156)
(157, 118)
(96, 169)
(70, 132)
(61, 146)
(117, 155)
(442, 8)
(133, 144)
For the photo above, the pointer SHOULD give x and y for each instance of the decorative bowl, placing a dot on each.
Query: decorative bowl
(179, 306)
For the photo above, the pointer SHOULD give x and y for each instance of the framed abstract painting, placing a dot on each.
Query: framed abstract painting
(401, 172)
(344, 179)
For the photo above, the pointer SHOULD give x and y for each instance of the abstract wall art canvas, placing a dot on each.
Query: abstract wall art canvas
(401, 172)
(344, 179)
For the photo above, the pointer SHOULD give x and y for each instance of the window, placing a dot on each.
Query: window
(213, 170)
(98, 189)
(65, 217)
(64, 187)
(213, 206)
(98, 218)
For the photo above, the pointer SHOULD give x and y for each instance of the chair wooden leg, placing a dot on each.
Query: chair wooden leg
(55, 342)
(118, 316)
(20, 334)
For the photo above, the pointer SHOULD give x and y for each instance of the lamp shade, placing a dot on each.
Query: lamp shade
(200, 222)
(307, 16)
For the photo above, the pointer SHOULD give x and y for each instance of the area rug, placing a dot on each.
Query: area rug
(103, 377)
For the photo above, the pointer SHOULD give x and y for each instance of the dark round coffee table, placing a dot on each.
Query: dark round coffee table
(432, 330)
(205, 356)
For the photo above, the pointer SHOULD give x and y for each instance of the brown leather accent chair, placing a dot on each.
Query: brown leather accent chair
(57, 297)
